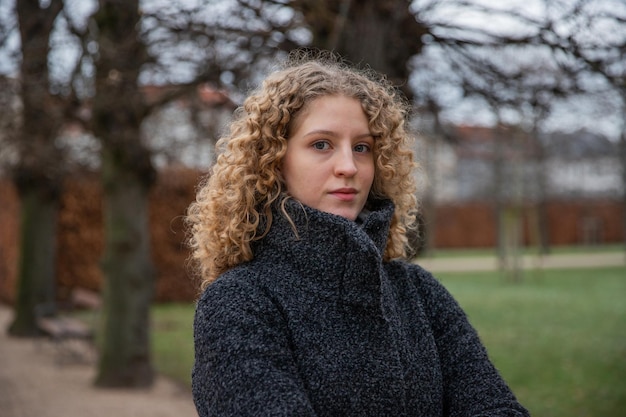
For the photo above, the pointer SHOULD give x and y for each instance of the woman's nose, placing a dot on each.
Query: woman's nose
(345, 164)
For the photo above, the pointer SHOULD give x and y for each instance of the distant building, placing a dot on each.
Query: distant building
(583, 164)
(481, 163)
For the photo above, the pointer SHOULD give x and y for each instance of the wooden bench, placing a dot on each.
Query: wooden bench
(64, 329)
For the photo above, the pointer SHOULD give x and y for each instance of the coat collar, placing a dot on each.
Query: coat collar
(330, 255)
(316, 226)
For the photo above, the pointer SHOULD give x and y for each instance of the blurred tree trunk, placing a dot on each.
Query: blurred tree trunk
(127, 174)
(622, 156)
(540, 216)
(498, 198)
(514, 213)
(38, 173)
(382, 34)
(507, 201)
(428, 205)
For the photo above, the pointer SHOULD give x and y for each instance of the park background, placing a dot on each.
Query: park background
(111, 112)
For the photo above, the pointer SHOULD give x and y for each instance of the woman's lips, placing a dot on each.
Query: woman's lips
(344, 194)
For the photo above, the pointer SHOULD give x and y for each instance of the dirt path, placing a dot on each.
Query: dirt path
(528, 262)
(33, 383)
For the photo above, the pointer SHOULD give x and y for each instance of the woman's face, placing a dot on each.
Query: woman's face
(329, 164)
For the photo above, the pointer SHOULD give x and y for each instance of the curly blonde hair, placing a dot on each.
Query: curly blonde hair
(233, 204)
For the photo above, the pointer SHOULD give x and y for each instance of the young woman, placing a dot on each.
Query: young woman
(308, 308)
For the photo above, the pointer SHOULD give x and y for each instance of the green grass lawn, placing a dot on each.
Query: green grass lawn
(557, 338)
(172, 340)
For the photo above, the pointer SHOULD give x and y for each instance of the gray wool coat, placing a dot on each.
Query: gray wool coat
(319, 325)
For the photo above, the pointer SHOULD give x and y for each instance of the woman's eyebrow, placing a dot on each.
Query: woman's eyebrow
(331, 133)
(320, 132)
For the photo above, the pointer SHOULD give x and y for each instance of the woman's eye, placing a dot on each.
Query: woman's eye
(322, 146)
(362, 148)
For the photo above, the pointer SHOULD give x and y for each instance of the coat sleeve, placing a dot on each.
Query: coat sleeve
(472, 385)
(243, 362)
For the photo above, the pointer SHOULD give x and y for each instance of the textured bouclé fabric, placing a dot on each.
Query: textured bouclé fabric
(318, 325)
